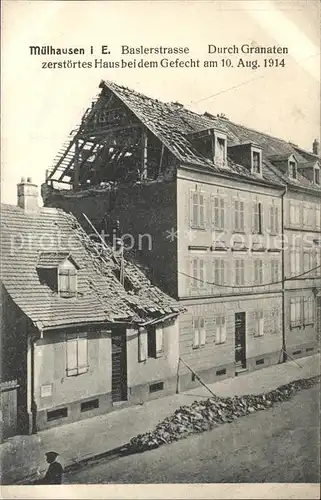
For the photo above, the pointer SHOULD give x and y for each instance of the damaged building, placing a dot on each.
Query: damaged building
(216, 203)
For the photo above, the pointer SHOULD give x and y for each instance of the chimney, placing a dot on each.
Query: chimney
(27, 195)
(316, 147)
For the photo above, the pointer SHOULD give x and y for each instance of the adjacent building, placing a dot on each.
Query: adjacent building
(208, 207)
(83, 329)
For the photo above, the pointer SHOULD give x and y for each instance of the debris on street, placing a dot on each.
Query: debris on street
(204, 415)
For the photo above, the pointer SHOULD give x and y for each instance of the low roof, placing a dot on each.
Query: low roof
(52, 234)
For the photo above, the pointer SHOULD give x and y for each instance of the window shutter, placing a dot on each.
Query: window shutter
(242, 215)
(72, 355)
(223, 329)
(191, 208)
(215, 208)
(261, 222)
(142, 344)
(196, 342)
(254, 217)
(82, 353)
(201, 208)
(159, 341)
(202, 331)
(261, 324)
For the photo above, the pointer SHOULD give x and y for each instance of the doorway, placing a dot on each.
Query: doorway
(119, 367)
(240, 341)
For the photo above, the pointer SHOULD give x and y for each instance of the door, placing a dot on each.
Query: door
(240, 336)
(119, 367)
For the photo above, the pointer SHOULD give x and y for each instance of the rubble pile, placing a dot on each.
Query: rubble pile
(207, 414)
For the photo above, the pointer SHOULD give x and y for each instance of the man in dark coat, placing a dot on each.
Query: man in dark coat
(54, 471)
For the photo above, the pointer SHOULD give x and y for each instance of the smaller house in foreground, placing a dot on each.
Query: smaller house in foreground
(83, 329)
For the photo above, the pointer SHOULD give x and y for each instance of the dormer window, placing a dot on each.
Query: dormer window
(316, 175)
(58, 270)
(67, 279)
(256, 162)
(220, 149)
(292, 169)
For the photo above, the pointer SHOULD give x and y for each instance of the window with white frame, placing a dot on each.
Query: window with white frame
(197, 201)
(198, 272)
(220, 332)
(219, 271)
(258, 271)
(274, 219)
(239, 272)
(199, 332)
(308, 215)
(292, 169)
(275, 320)
(218, 213)
(308, 311)
(295, 213)
(275, 271)
(295, 260)
(257, 218)
(307, 259)
(77, 353)
(238, 216)
(256, 162)
(296, 306)
(259, 323)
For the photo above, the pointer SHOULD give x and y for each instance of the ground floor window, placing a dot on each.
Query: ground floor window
(199, 332)
(296, 315)
(259, 323)
(220, 333)
(77, 353)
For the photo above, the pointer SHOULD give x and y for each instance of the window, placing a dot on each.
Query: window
(317, 261)
(239, 215)
(155, 341)
(219, 268)
(295, 260)
(307, 260)
(89, 405)
(198, 273)
(308, 215)
(197, 210)
(239, 272)
(318, 217)
(67, 280)
(257, 218)
(56, 414)
(77, 353)
(259, 323)
(218, 206)
(308, 311)
(274, 219)
(274, 271)
(256, 162)
(220, 152)
(292, 169)
(316, 176)
(220, 334)
(199, 332)
(295, 312)
(295, 213)
(258, 271)
(275, 320)
(157, 386)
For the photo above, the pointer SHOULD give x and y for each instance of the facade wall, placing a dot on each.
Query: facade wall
(213, 358)
(214, 299)
(302, 221)
(153, 370)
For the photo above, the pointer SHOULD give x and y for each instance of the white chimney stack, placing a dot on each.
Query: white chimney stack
(316, 147)
(27, 195)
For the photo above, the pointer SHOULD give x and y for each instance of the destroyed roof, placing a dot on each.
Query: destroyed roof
(100, 295)
(172, 123)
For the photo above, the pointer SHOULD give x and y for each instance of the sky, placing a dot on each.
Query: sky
(41, 106)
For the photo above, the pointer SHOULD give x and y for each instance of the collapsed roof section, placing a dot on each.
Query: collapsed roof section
(126, 136)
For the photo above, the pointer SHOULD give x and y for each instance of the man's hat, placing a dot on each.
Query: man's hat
(51, 454)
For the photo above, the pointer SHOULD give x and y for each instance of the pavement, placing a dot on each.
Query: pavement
(23, 460)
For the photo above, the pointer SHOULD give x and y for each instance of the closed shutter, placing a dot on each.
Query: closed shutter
(159, 341)
(72, 354)
(82, 353)
(223, 329)
(202, 330)
(142, 344)
(196, 341)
